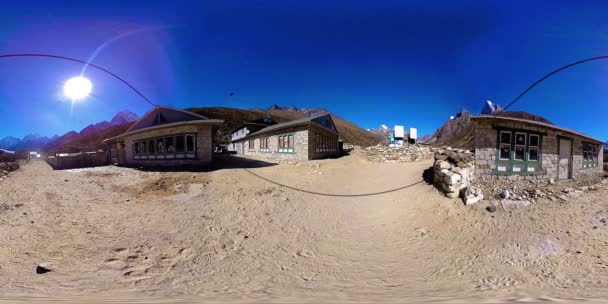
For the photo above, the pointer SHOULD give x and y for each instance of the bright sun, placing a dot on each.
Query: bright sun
(77, 88)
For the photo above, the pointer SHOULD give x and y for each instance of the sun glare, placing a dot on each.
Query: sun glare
(77, 88)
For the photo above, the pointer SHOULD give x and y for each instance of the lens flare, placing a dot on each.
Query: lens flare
(77, 88)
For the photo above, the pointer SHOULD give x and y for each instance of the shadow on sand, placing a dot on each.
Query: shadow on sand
(220, 162)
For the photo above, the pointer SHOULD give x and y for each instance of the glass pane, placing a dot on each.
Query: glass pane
(180, 144)
(169, 145)
(151, 147)
(160, 145)
(533, 153)
(136, 148)
(520, 139)
(505, 138)
(533, 140)
(519, 152)
(504, 152)
(144, 149)
(189, 143)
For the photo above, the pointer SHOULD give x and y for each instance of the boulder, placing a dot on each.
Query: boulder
(452, 178)
(442, 165)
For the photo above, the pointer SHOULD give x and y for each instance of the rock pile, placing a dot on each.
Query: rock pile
(6, 168)
(453, 172)
(385, 154)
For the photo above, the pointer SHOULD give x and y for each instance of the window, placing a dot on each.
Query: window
(590, 152)
(520, 146)
(505, 145)
(189, 143)
(136, 148)
(264, 144)
(286, 143)
(325, 144)
(518, 152)
(534, 145)
(252, 144)
(180, 145)
(169, 145)
(166, 147)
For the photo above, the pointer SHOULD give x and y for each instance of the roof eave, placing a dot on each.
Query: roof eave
(538, 123)
(212, 122)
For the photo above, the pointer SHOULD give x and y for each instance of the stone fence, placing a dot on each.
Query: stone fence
(453, 172)
(384, 154)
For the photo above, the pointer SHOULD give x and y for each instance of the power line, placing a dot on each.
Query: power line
(84, 62)
(547, 76)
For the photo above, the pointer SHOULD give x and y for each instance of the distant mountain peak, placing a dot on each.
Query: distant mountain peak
(489, 108)
(124, 117)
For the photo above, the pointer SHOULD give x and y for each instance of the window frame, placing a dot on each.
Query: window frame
(592, 149)
(163, 153)
(517, 166)
(286, 143)
(265, 144)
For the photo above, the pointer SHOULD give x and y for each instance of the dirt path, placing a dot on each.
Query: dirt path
(232, 234)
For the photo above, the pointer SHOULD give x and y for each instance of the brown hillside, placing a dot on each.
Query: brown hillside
(460, 133)
(74, 142)
(349, 132)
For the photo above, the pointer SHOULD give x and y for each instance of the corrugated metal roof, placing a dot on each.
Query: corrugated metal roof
(537, 123)
(291, 123)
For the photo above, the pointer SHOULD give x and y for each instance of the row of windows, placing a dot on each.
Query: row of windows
(166, 147)
(590, 152)
(520, 151)
(521, 147)
(286, 144)
(325, 144)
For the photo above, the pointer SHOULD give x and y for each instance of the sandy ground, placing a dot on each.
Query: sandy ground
(231, 234)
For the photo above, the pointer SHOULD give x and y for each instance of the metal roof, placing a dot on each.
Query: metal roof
(537, 123)
(291, 123)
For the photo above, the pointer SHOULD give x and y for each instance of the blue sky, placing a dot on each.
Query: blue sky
(371, 62)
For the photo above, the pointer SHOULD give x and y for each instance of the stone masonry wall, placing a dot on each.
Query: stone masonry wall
(384, 154)
(300, 146)
(453, 171)
(486, 152)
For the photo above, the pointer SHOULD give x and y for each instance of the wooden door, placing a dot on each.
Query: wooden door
(565, 155)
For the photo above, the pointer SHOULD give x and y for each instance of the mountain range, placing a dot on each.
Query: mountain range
(88, 138)
(29, 142)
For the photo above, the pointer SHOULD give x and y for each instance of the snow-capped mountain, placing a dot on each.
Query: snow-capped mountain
(489, 108)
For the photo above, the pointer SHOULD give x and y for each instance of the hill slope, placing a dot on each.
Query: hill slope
(349, 132)
(460, 133)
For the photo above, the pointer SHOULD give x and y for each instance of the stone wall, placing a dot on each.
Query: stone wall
(486, 139)
(300, 146)
(384, 154)
(453, 171)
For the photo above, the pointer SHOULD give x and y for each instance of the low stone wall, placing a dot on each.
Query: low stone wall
(82, 160)
(6, 168)
(384, 154)
(453, 172)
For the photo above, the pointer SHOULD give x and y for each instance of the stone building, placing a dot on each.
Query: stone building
(236, 145)
(307, 138)
(517, 149)
(165, 137)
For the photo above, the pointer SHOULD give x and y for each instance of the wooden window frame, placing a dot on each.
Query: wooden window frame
(265, 144)
(286, 143)
(165, 154)
(526, 166)
(592, 149)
